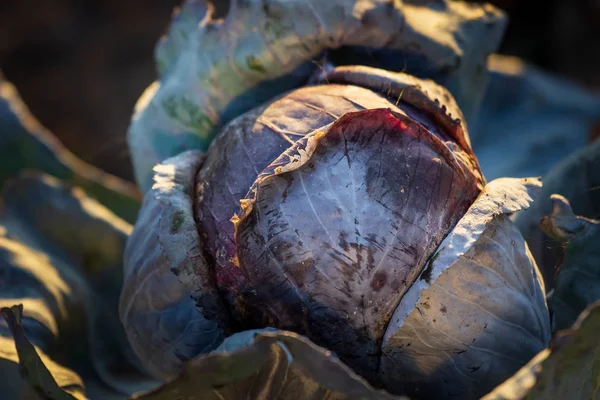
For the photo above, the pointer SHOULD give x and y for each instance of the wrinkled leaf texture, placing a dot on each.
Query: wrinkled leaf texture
(570, 369)
(212, 70)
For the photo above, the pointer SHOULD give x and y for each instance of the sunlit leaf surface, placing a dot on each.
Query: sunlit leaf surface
(60, 257)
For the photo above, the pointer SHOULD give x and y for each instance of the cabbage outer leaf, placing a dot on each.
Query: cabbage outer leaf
(212, 70)
(60, 257)
(268, 364)
(26, 144)
(477, 313)
(570, 369)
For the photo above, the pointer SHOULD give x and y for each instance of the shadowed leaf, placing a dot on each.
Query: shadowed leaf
(60, 256)
(32, 367)
(577, 178)
(267, 364)
(570, 369)
(578, 280)
(26, 144)
(530, 120)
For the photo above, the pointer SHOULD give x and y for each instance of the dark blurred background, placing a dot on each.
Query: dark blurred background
(81, 65)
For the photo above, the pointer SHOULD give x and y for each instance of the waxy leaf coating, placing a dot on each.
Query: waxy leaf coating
(330, 211)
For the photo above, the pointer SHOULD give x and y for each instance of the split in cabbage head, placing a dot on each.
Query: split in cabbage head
(352, 212)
